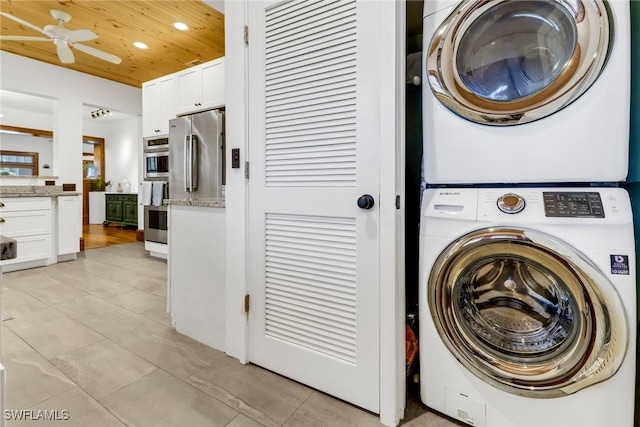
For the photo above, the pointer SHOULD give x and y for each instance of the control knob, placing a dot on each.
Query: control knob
(510, 203)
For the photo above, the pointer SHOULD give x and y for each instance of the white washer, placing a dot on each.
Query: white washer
(528, 306)
(528, 91)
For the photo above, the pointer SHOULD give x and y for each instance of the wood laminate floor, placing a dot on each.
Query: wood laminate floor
(99, 236)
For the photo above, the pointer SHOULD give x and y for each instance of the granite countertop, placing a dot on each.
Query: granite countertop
(28, 177)
(202, 203)
(34, 191)
(9, 248)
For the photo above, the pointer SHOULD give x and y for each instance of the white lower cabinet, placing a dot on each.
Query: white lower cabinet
(197, 273)
(69, 220)
(29, 221)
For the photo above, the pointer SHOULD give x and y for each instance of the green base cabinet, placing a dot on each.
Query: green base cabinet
(121, 209)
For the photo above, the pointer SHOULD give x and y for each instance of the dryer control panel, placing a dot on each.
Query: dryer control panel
(573, 204)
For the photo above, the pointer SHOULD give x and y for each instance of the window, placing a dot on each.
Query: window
(18, 163)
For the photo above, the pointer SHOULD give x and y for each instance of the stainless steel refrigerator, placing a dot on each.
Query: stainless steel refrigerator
(196, 156)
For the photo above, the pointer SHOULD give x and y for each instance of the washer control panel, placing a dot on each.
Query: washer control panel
(511, 203)
(572, 204)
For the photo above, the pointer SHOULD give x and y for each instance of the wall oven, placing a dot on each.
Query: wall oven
(156, 143)
(156, 164)
(155, 224)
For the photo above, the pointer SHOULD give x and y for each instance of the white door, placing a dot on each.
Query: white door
(314, 151)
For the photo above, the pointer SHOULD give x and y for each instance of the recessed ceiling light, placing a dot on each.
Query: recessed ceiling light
(180, 26)
(140, 45)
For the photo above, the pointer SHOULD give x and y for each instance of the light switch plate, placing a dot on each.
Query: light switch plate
(235, 158)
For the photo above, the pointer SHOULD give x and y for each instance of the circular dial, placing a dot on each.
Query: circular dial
(510, 203)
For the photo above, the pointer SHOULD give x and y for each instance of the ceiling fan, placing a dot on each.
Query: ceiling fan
(63, 38)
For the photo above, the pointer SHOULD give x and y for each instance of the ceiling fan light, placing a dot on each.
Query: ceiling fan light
(180, 26)
(140, 45)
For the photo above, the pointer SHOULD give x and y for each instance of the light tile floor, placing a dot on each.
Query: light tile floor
(92, 337)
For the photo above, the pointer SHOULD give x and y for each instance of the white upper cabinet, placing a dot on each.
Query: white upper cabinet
(201, 87)
(213, 84)
(189, 90)
(158, 105)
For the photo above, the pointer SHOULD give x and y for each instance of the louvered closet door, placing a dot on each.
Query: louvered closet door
(314, 145)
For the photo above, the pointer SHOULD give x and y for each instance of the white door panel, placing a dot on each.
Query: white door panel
(314, 149)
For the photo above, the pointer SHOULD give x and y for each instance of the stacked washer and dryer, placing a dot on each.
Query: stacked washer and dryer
(527, 275)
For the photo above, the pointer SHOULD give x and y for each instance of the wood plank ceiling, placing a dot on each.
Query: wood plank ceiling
(119, 23)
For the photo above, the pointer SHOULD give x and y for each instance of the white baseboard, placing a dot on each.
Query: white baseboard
(158, 250)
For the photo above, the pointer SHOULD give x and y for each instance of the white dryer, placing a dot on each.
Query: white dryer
(528, 306)
(526, 91)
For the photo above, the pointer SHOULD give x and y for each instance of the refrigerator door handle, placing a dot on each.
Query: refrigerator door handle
(220, 143)
(187, 163)
(194, 162)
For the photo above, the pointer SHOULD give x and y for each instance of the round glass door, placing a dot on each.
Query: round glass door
(502, 62)
(507, 54)
(526, 318)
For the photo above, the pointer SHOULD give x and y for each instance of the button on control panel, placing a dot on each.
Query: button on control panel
(510, 203)
(566, 204)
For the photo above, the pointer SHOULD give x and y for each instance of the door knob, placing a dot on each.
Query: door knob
(366, 201)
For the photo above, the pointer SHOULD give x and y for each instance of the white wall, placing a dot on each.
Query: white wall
(70, 89)
(236, 187)
(121, 152)
(121, 148)
(30, 120)
(42, 146)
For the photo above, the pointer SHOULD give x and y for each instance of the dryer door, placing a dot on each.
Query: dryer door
(526, 313)
(502, 62)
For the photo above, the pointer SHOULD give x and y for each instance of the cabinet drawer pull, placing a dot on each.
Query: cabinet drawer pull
(1, 205)
(1, 220)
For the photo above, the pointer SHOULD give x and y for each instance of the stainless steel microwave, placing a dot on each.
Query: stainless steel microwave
(156, 164)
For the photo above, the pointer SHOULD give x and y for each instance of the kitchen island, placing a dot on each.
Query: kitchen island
(45, 221)
(197, 269)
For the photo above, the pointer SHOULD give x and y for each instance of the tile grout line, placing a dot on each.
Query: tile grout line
(66, 316)
(299, 406)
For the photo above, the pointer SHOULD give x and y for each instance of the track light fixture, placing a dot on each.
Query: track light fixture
(101, 112)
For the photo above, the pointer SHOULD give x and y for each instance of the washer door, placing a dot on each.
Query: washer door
(502, 62)
(526, 313)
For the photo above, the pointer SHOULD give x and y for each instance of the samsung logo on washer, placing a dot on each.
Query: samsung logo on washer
(449, 193)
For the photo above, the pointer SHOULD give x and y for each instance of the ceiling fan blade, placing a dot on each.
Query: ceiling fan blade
(25, 38)
(64, 52)
(97, 53)
(81, 36)
(22, 22)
